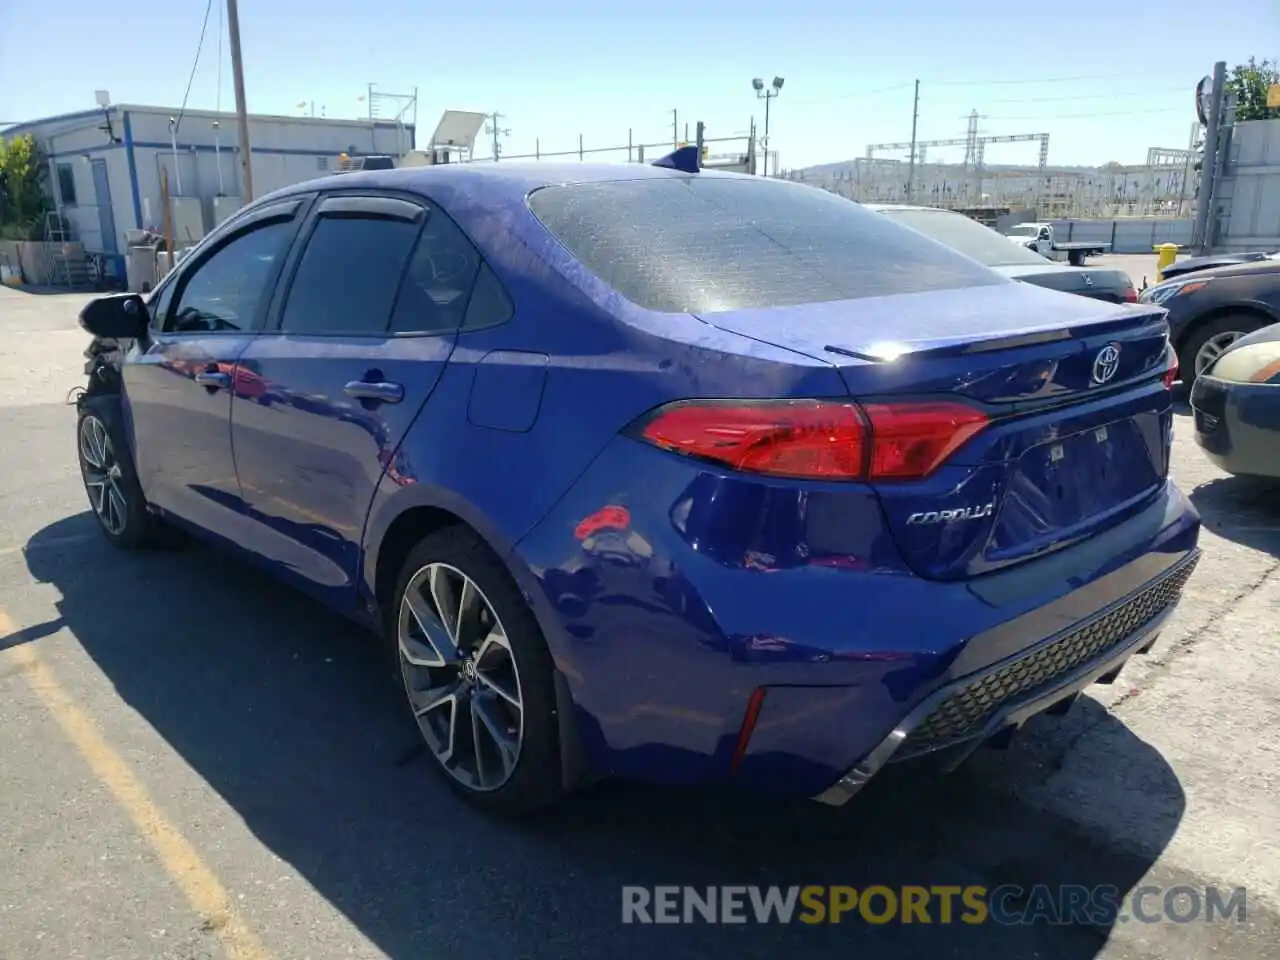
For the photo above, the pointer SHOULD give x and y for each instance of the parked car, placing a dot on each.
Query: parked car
(1041, 238)
(1211, 309)
(988, 247)
(697, 477)
(1236, 401)
(1181, 268)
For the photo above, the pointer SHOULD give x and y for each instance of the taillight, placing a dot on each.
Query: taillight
(914, 439)
(816, 439)
(1130, 294)
(1171, 370)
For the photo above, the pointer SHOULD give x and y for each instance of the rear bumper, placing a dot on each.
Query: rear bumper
(1005, 695)
(1238, 425)
(669, 595)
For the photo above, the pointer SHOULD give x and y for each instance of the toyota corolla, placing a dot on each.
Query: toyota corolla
(653, 472)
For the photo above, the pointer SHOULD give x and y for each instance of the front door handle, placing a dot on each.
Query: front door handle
(213, 379)
(381, 391)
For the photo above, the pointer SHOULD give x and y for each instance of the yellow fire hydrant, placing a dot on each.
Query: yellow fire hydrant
(1167, 253)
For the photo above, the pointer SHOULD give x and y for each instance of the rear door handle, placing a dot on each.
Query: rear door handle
(213, 380)
(381, 391)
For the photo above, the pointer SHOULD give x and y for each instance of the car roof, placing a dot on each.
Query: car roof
(497, 180)
(905, 206)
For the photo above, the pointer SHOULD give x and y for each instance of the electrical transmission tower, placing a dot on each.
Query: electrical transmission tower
(972, 152)
(494, 130)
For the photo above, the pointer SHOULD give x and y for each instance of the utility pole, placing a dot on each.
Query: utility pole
(242, 115)
(1202, 232)
(497, 132)
(911, 162)
(675, 129)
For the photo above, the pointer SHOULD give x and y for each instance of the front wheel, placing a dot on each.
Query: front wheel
(1209, 341)
(477, 674)
(108, 474)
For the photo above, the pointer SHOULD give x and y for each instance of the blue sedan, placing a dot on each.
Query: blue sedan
(652, 472)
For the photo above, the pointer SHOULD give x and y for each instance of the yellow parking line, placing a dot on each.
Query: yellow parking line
(198, 883)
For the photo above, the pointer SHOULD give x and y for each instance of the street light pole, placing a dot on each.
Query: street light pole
(767, 98)
(766, 95)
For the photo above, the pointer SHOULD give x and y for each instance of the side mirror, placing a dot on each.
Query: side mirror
(122, 316)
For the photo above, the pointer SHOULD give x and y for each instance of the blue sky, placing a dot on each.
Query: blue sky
(1105, 81)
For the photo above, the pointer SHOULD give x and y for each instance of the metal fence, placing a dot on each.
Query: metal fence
(1138, 235)
(721, 148)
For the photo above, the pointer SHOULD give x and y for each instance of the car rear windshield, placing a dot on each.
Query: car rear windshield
(706, 244)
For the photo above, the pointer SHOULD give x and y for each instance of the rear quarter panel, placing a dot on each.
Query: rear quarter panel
(604, 362)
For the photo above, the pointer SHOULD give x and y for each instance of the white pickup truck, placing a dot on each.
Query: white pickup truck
(1039, 237)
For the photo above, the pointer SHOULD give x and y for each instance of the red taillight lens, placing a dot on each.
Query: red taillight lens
(785, 438)
(913, 439)
(1130, 295)
(1171, 371)
(817, 439)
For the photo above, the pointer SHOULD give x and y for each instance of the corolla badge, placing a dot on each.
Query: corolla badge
(1106, 363)
(951, 516)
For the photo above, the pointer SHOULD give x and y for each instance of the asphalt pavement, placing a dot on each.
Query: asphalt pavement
(196, 763)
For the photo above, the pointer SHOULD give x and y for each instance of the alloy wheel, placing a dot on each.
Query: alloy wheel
(1214, 347)
(102, 476)
(461, 677)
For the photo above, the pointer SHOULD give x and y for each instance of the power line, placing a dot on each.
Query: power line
(856, 96)
(1086, 96)
(1034, 80)
(204, 25)
(956, 95)
(1089, 116)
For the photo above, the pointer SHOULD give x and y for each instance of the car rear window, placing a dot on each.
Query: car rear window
(705, 244)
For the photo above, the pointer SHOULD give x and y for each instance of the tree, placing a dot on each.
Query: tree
(23, 200)
(1249, 82)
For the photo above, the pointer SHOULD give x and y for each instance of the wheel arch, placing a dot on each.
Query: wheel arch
(1260, 310)
(400, 522)
(410, 513)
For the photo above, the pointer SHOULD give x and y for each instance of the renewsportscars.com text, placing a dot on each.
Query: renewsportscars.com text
(1006, 905)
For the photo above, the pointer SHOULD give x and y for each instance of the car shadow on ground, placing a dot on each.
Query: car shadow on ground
(1245, 510)
(296, 722)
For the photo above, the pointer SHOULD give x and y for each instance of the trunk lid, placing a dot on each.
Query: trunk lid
(1080, 420)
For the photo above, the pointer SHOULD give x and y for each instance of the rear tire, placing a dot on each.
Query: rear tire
(106, 467)
(1207, 341)
(477, 674)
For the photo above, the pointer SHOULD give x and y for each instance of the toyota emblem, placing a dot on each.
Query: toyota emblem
(1106, 363)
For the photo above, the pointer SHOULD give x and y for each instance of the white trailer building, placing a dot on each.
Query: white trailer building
(106, 165)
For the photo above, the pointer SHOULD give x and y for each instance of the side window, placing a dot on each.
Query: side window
(67, 184)
(347, 279)
(226, 291)
(437, 286)
(490, 306)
